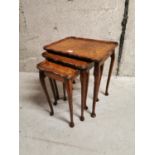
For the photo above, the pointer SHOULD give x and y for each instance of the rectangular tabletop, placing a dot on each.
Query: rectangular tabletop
(86, 49)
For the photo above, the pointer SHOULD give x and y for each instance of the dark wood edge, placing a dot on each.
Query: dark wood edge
(90, 65)
(109, 42)
(66, 77)
(78, 57)
(71, 56)
(102, 41)
(62, 76)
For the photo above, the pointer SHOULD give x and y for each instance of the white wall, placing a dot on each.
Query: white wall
(44, 21)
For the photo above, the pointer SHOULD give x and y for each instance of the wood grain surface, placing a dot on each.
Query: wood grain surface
(90, 49)
(57, 69)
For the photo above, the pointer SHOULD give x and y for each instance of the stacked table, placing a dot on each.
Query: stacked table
(82, 54)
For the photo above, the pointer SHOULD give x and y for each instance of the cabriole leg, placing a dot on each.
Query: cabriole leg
(83, 79)
(101, 72)
(69, 92)
(96, 87)
(42, 81)
(110, 73)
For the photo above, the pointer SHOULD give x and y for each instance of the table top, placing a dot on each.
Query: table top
(57, 69)
(70, 62)
(83, 48)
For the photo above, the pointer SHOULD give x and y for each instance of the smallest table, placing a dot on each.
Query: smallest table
(60, 73)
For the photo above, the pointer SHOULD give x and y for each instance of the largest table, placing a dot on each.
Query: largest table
(88, 50)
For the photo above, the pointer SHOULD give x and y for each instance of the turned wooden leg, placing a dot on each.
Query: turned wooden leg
(56, 89)
(101, 72)
(69, 92)
(42, 81)
(64, 91)
(83, 78)
(53, 90)
(110, 73)
(96, 87)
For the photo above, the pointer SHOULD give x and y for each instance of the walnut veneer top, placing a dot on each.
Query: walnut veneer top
(57, 69)
(88, 49)
(75, 63)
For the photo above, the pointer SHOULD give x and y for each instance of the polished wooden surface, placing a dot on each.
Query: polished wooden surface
(88, 49)
(75, 63)
(57, 69)
(73, 51)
